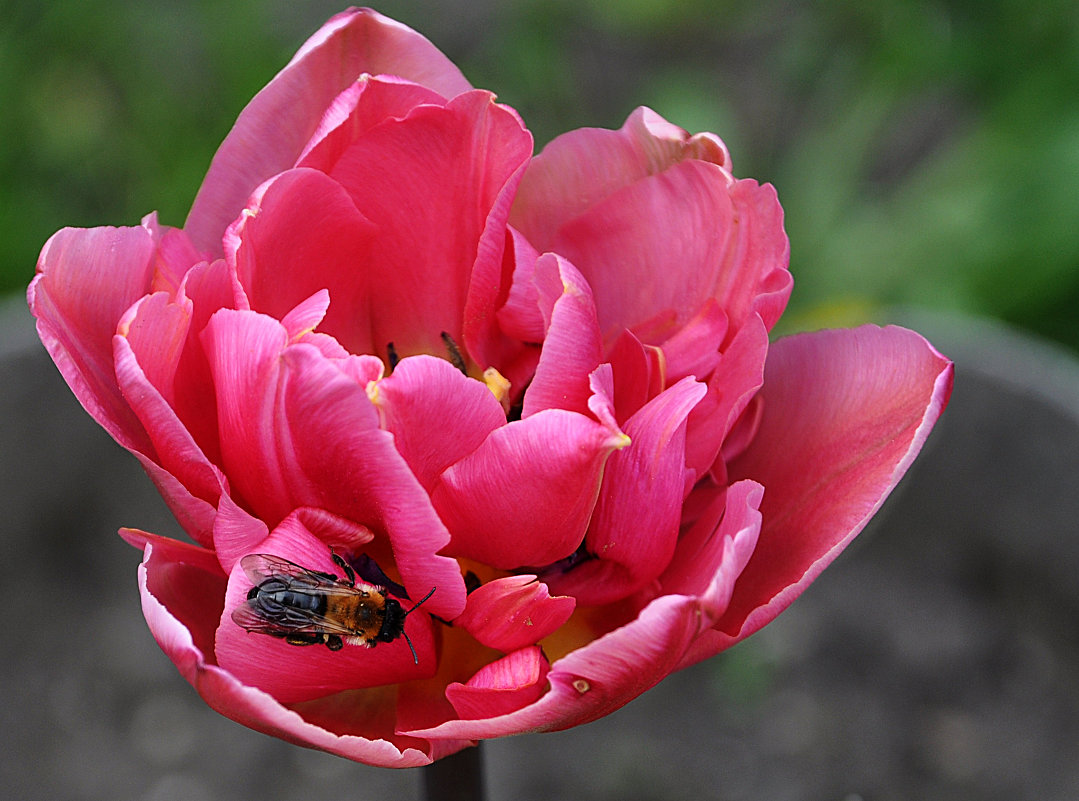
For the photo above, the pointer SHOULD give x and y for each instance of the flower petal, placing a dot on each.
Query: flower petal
(656, 223)
(301, 233)
(634, 529)
(845, 413)
(598, 678)
(731, 386)
(525, 496)
(436, 414)
(571, 348)
(182, 592)
(437, 185)
(273, 129)
(86, 279)
(154, 333)
(292, 673)
(512, 612)
(506, 685)
(579, 169)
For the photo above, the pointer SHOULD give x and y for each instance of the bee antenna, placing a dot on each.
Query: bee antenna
(415, 658)
(424, 598)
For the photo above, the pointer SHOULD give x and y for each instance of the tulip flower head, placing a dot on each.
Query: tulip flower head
(468, 441)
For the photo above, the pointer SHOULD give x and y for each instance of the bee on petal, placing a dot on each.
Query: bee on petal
(310, 607)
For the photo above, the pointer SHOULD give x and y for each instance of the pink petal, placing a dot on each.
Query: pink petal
(293, 673)
(148, 350)
(655, 222)
(693, 350)
(437, 415)
(597, 679)
(273, 129)
(182, 593)
(343, 462)
(731, 386)
(299, 234)
(579, 169)
(520, 315)
(298, 430)
(525, 496)
(503, 686)
(714, 551)
(86, 279)
(571, 348)
(845, 413)
(634, 528)
(437, 184)
(512, 612)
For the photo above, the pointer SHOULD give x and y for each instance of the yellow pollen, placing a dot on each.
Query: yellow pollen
(581, 686)
(499, 386)
(372, 392)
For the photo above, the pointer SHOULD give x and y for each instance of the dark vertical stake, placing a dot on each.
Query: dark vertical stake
(455, 778)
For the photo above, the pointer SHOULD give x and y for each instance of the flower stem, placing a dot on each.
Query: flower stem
(458, 777)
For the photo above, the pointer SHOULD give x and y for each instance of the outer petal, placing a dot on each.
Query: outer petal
(290, 673)
(273, 129)
(580, 168)
(597, 679)
(87, 278)
(182, 593)
(526, 495)
(845, 413)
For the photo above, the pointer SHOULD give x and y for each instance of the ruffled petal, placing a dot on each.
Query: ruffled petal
(86, 279)
(572, 348)
(580, 168)
(731, 386)
(273, 129)
(656, 223)
(634, 529)
(525, 496)
(845, 413)
(598, 678)
(503, 686)
(437, 184)
(301, 233)
(148, 351)
(300, 673)
(182, 592)
(437, 415)
(512, 612)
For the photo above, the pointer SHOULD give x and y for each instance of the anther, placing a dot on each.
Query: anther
(456, 359)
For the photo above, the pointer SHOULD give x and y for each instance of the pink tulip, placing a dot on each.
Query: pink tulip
(619, 477)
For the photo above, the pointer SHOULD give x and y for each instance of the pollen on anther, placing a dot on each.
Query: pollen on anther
(581, 686)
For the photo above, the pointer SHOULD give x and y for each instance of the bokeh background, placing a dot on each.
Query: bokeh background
(927, 156)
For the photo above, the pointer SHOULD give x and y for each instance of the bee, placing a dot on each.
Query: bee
(309, 607)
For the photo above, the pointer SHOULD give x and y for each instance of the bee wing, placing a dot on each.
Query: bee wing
(260, 566)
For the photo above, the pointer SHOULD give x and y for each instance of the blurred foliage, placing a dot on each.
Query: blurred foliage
(925, 152)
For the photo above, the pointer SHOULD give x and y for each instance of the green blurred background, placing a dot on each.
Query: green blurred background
(925, 152)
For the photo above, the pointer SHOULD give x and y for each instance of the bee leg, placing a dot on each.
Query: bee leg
(333, 642)
(295, 638)
(350, 574)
